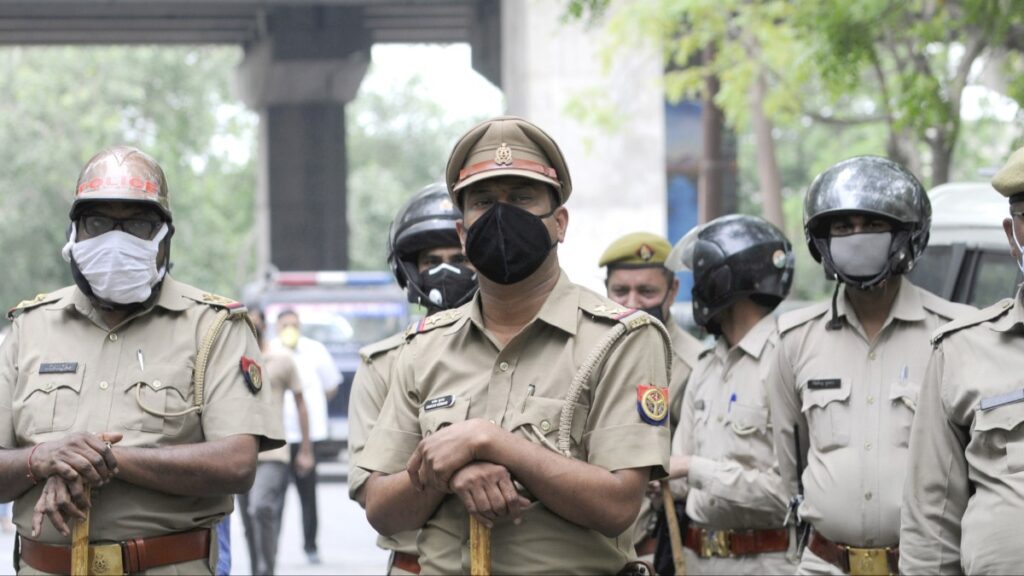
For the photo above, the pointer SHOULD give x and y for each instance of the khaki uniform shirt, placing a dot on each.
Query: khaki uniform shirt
(856, 401)
(454, 370)
(282, 374)
(369, 390)
(685, 350)
(964, 500)
(62, 371)
(734, 476)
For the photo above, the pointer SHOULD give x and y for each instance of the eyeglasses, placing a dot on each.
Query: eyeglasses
(95, 225)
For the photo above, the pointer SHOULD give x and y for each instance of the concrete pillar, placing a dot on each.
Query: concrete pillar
(618, 165)
(299, 76)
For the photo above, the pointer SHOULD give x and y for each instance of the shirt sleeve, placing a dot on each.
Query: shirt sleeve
(747, 487)
(682, 441)
(616, 437)
(8, 381)
(369, 391)
(786, 417)
(397, 432)
(937, 489)
(230, 406)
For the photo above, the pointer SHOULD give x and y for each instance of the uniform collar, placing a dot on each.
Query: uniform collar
(559, 310)
(752, 343)
(907, 306)
(172, 297)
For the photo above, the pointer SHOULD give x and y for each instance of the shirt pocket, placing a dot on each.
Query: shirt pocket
(540, 418)
(903, 401)
(156, 400)
(828, 416)
(1002, 433)
(436, 418)
(50, 401)
(747, 419)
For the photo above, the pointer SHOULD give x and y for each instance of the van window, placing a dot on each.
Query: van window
(995, 277)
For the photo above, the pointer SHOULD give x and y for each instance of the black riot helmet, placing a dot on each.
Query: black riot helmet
(425, 221)
(733, 257)
(869, 185)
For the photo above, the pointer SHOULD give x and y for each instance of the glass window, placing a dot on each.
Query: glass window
(932, 269)
(995, 278)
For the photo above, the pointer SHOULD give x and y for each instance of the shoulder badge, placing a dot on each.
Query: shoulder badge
(443, 318)
(652, 404)
(379, 347)
(976, 317)
(26, 305)
(801, 316)
(252, 374)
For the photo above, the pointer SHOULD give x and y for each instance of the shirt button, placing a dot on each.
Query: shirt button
(104, 385)
(720, 418)
(871, 400)
(871, 355)
(868, 495)
(867, 445)
(157, 383)
(545, 425)
(113, 337)
(503, 366)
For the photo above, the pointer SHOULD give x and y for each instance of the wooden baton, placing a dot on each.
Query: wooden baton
(479, 548)
(674, 536)
(80, 545)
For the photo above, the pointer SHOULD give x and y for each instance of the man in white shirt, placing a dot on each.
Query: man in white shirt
(320, 380)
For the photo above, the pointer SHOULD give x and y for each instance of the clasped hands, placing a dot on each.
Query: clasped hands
(71, 466)
(454, 460)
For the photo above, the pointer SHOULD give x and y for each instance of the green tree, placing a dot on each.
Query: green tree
(398, 141)
(59, 106)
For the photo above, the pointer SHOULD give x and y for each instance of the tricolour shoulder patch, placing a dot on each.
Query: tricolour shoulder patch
(442, 318)
(381, 346)
(801, 316)
(26, 305)
(973, 319)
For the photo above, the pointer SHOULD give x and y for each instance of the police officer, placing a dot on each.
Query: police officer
(98, 395)
(637, 278)
(742, 268)
(426, 258)
(507, 408)
(964, 494)
(846, 374)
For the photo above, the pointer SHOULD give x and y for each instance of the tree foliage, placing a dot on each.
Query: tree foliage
(59, 106)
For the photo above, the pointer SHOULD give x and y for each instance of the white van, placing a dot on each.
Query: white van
(967, 258)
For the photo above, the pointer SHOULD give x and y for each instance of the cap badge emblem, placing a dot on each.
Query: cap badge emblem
(645, 252)
(503, 155)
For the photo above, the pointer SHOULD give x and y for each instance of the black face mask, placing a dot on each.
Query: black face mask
(447, 286)
(507, 243)
(656, 310)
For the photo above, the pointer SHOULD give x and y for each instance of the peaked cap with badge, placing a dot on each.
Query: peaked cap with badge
(507, 146)
(636, 250)
(1009, 181)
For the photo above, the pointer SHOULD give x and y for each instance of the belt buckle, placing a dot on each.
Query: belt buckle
(714, 543)
(106, 560)
(868, 561)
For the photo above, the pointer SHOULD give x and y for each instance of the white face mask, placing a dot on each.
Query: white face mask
(861, 255)
(119, 267)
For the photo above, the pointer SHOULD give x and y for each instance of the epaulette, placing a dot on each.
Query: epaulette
(221, 302)
(379, 347)
(631, 318)
(943, 307)
(442, 318)
(801, 316)
(26, 305)
(977, 317)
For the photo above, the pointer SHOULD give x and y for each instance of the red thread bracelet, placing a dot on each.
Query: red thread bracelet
(30, 475)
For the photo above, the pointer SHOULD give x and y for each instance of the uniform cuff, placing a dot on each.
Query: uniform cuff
(630, 446)
(356, 478)
(387, 451)
(702, 472)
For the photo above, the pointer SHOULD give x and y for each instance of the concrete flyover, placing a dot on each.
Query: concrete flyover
(304, 60)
